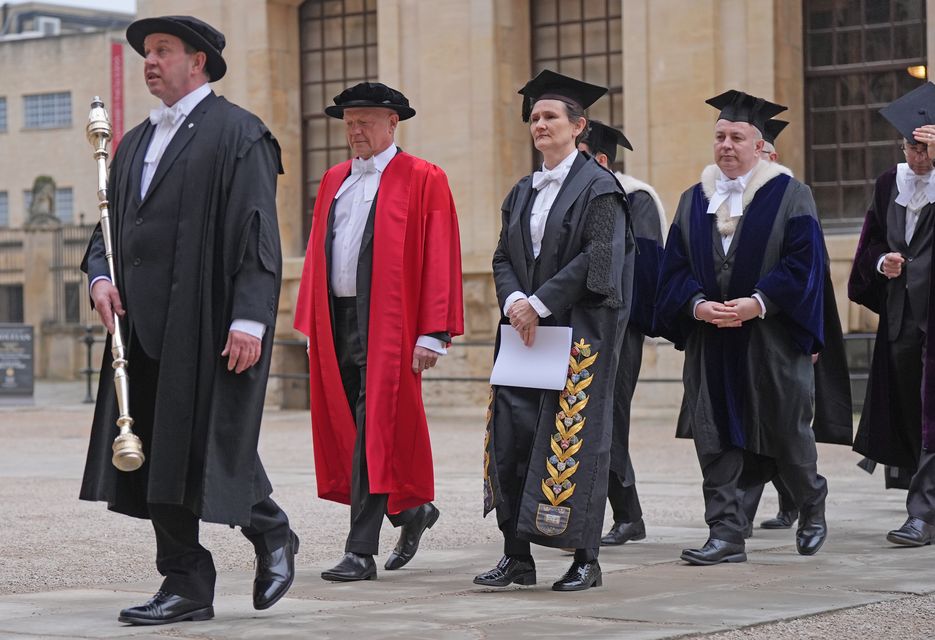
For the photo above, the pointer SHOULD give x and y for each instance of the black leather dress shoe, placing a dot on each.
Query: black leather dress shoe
(715, 551)
(274, 574)
(812, 531)
(580, 576)
(914, 533)
(164, 608)
(353, 566)
(623, 532)
(783, 520)
(410, 535)
(509, 571)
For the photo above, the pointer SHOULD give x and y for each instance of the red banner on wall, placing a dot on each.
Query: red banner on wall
(116, 93)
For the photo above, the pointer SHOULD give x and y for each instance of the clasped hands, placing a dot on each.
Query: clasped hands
(729, 314)
(524, 319)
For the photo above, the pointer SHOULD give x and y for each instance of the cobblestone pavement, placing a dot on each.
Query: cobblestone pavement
(67, 567)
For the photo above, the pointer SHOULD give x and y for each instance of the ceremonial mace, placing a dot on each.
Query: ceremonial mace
(128, 448)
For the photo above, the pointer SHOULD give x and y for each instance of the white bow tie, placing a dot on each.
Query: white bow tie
(916, 191)
(540, 179)
(730, 190)
(168, 115)
(362, 167)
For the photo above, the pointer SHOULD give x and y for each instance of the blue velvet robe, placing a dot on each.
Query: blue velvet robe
(750, 387)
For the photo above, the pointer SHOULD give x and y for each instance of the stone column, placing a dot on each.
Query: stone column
(39, 304)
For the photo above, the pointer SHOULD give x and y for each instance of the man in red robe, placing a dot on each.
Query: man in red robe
(380, 300)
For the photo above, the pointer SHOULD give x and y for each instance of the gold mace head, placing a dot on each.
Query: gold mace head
(98, 128)
(128, 452)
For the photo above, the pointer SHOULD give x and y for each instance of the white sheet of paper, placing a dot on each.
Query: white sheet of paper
(544, 365)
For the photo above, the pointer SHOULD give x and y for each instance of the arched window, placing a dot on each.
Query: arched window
(583, 39)
(857, 56)
(338, 40)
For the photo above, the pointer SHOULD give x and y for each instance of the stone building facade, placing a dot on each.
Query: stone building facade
(460, 62)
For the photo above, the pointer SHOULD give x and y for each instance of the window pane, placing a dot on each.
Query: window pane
(596, 8)
(824, 125)
(544, 11)
(877, 44)
(825, 165)
(595, 70)
(3, 114)
(595, 37)
(852, 164)
(4, 209)
(819, 49)
(47, 110)
(344, 33)
(570, 40)
(569, 10)
(853, 126)
(909, 41)
(822, 92)
(883, 157)
(848, 47)
(851, 90)
(64, 205)
(546, 42)
(909, 10)
(855, 201)
(826, 201)
(582, 39)
(850, 142)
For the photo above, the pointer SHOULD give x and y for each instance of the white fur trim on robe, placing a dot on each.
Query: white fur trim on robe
(762, 173)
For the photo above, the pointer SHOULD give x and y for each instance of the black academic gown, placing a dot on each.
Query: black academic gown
(753, 387)
(201, 249)
(548, 453)
(648, 232)
(891, 432)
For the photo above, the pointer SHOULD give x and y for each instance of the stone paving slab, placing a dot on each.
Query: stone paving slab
(51, 541)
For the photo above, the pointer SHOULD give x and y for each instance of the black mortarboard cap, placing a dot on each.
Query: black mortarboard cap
(912, 110)
(604, 139)
(549, 84)
(738, 106)
(772, 129)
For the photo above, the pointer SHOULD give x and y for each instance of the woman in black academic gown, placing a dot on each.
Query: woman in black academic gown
(564, 259)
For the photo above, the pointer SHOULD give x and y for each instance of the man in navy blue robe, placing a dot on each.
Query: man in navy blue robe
(742, 292)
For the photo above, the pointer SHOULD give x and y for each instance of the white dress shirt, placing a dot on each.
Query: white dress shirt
(351, 209)
(547, 184)
(168, 121)
(730, 190)
(915, 192)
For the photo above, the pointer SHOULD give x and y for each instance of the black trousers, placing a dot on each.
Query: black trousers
(721, 473)
(920, 502)
(624, 501)
(751, 496)
(367, 509)
(186, 566)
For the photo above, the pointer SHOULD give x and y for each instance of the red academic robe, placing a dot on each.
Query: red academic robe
(415, 290)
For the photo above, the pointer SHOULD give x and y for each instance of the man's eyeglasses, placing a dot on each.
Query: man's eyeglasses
(916, 149)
